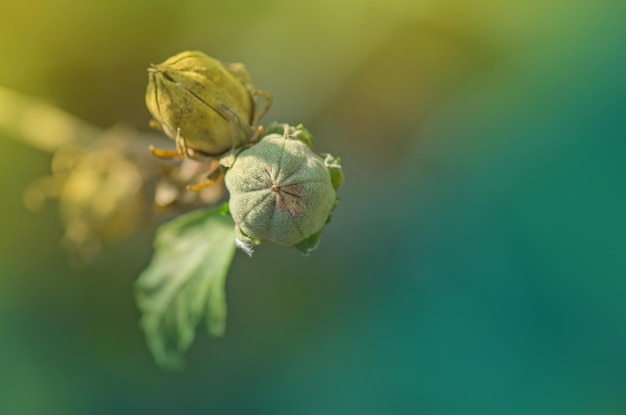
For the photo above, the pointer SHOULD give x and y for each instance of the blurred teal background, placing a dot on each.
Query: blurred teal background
(475, 265)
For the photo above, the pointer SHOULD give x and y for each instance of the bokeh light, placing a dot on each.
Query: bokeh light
(476, 261)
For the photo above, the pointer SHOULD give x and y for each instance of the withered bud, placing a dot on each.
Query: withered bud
(212, 105)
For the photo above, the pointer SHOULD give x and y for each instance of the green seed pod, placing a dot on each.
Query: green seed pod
(212, 105)
(280, 191)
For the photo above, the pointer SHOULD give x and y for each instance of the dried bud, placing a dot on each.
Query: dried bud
(104, 197)
(213, 105)
(280, 191)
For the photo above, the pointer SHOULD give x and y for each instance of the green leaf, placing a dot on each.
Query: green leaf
(225, 210)
(275, 128)
(336, 172)
(184, 283)
(304, 135)
(298, 132)
(310, 244)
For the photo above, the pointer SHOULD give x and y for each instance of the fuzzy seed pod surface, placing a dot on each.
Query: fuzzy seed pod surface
(280, 191)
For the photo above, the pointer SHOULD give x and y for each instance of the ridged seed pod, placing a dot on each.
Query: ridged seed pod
(211, 104)
(280, 190)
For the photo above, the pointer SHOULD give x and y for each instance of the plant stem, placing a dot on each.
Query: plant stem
(41, 125)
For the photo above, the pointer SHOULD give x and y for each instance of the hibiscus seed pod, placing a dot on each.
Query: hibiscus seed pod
(211, 105)
(280, 190)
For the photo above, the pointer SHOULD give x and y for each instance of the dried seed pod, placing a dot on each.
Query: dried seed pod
(280, 191)
(205, 106)
(104, 195)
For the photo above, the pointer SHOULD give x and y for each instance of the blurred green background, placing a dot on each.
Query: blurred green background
(475, 265)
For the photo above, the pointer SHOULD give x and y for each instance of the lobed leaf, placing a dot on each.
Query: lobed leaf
(184, 283)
